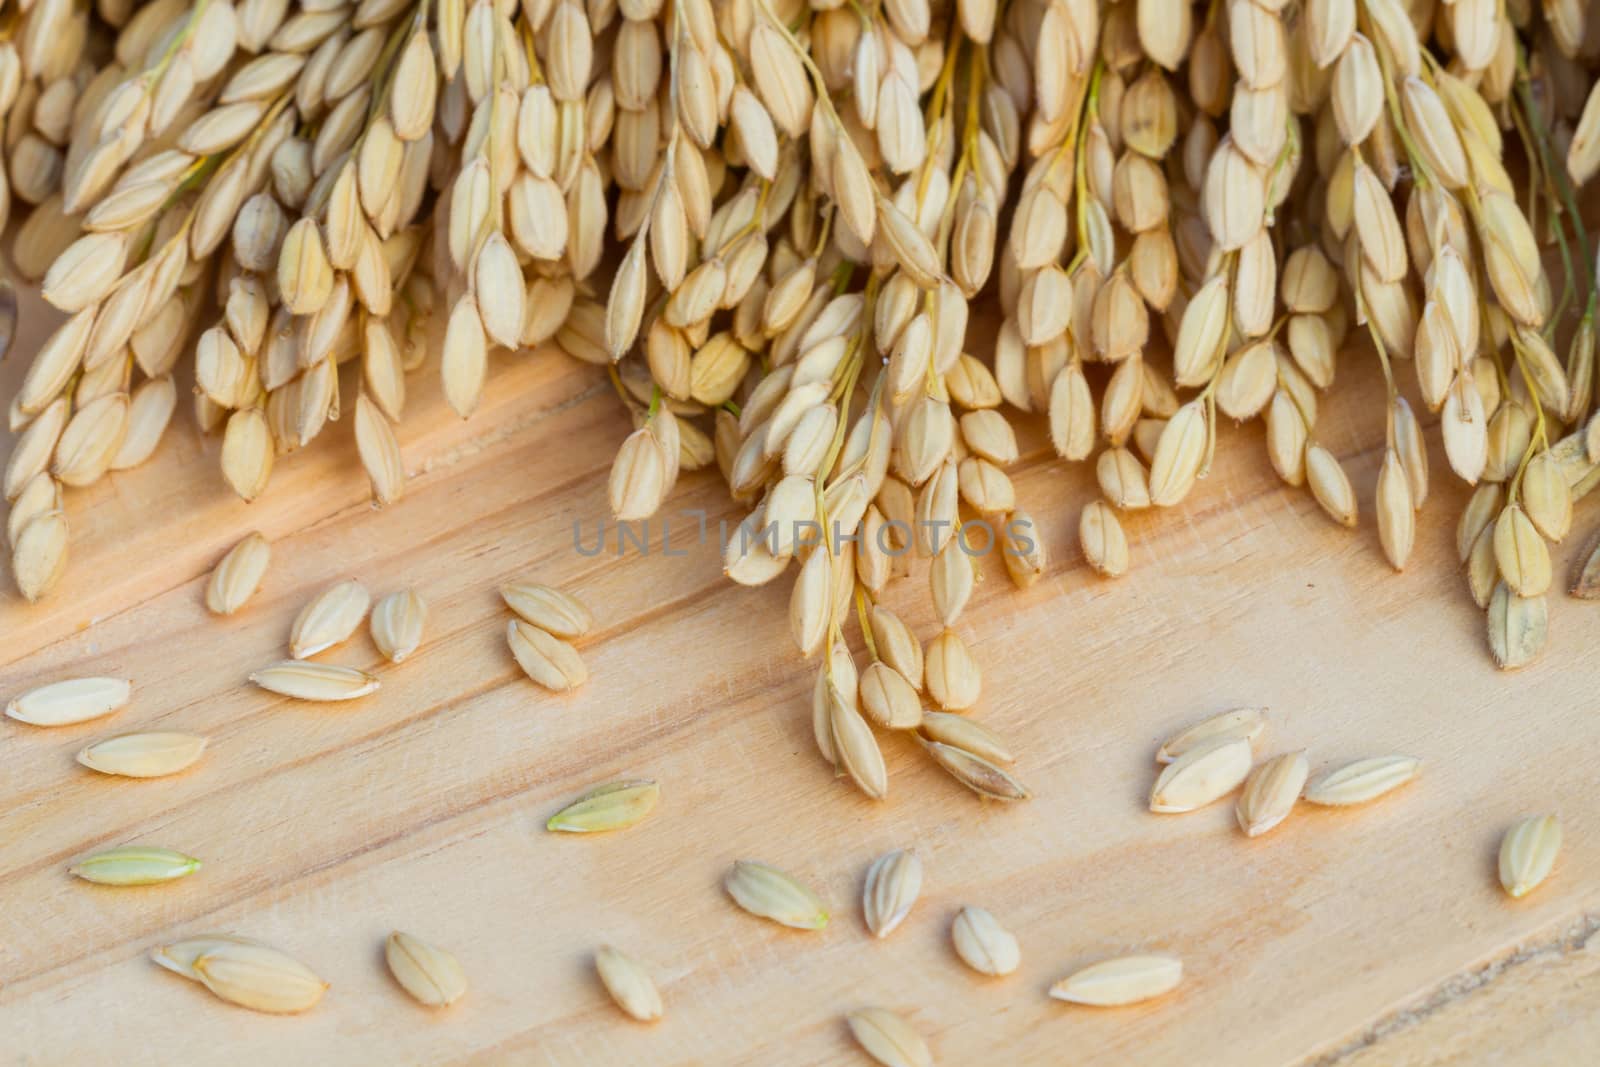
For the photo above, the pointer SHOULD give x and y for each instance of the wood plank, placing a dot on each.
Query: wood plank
(1535, 1006)
(422, 806)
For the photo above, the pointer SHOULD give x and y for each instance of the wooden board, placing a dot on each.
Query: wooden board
(1373, 936)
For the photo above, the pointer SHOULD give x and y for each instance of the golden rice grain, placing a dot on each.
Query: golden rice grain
(1124, 980)
(1105, 546)
(397, 623)
(889, 699)
(894, 880)
(1523, 558)
(856, 749)
(1270, 793)
(1518, 625)
(983, 944)
(552, 610)
(897, 645)
(379, 451)
(1239, 723)
(951, 673)
(1200, 775)
(238, 575)
(143, 755)
(259, 978)
(134, 865)
(769, 893)
(1330, 485)
(614, 806)
(628, 983)
(69, 702)
(544, 658)
(888, 1038)
(432, 976)
(975, 772)
(1396, 513)
(247, 453)
(305, 680)
(1178, 456)
(39, 554)
(1362, 780)
(41, 495)
(1528, 852)
(179, 957)
(329, 618)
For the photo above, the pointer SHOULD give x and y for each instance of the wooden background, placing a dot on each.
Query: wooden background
(1362, 937)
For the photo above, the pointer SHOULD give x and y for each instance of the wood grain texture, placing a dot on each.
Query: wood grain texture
(1349, 937)
(1536, 1005)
